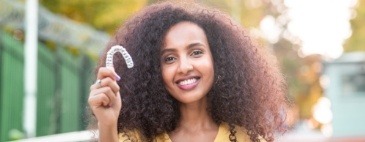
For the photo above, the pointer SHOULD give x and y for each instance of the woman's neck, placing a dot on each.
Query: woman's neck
(195, 124)
(194, 116)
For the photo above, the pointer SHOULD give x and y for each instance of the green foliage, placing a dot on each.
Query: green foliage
(356, 42)
(101, 14)
(239, 10)
(108, 15)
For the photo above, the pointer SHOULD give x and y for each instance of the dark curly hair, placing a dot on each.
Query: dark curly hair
(248, 90)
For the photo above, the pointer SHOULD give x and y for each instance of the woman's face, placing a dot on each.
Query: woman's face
(187, 63)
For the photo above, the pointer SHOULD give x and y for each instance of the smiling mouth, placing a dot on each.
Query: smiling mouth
(188, 81)
(188, 84)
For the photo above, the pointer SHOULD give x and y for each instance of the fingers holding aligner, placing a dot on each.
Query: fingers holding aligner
(103, 92)
(107, 76)
(102, 97)
(106, 82)
(107, 72)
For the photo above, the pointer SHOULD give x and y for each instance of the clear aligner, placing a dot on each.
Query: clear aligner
(123, 51)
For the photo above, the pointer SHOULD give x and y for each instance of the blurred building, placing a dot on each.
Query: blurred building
(344, 84)
(66, 57)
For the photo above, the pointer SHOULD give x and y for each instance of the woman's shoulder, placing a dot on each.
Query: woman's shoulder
(222, 136)
(130, 136)
(240, 135)
(224, 133)
(135, 136)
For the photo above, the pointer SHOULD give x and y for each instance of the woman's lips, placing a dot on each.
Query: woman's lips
(188, 84)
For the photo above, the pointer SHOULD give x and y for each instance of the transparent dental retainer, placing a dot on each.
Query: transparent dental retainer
(118, 48)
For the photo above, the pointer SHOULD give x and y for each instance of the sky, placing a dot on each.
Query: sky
(321, 25)
(318, 26)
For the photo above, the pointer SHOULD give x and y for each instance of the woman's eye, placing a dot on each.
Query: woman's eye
(169, 59)
(197, 53)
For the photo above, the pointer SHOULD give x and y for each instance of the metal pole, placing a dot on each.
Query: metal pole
(30, 69)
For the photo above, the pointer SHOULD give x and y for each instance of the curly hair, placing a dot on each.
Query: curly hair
(248, 90)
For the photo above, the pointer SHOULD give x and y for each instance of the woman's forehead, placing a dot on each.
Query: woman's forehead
(184, 33)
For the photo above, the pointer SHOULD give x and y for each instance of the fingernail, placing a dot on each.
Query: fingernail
(118, 77)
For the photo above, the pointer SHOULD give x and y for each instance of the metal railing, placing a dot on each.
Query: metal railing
(79, 136)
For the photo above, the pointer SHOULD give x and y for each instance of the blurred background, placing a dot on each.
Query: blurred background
(49, 49)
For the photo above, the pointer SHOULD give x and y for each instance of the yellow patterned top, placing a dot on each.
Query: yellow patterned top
(222, 136)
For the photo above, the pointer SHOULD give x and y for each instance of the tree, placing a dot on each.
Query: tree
(104, 16)
(356, 42)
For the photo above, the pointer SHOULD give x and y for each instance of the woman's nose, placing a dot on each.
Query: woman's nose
(185, 66)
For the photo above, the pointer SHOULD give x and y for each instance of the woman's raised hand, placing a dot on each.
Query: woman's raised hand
(104, 98)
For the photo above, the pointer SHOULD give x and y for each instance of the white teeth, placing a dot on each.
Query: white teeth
(188, 81)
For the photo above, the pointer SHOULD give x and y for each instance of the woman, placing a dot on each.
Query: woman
(197, 77)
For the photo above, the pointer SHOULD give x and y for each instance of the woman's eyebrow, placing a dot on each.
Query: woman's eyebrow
(189, 46)
(195, 44)
(167, 50)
